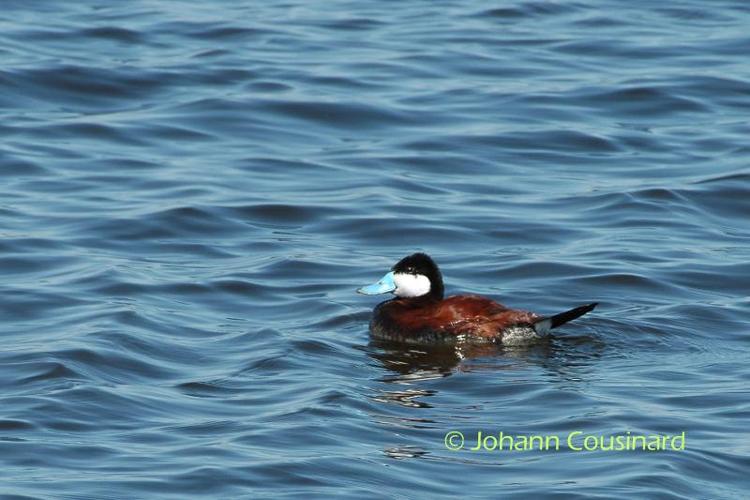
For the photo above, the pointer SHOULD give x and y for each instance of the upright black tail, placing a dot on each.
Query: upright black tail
(547, 324)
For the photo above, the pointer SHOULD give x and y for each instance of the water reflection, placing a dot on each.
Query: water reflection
(413, 373)
(410, 363)
(408, 398)
(568, 360)
(401, 453)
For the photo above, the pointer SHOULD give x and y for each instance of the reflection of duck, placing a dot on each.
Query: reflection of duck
(420, 314)
(424, 362)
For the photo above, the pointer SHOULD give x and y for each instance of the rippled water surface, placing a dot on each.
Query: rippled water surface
(191, 192)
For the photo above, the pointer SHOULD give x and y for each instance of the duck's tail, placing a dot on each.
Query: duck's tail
(544, 325)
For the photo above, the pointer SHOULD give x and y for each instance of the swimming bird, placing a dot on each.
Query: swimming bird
(420, 313)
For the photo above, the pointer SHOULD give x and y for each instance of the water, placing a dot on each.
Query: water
(190, 194)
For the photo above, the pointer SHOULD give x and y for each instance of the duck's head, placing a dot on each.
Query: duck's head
(414, 276)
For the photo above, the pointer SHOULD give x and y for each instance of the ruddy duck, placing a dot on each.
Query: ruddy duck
(419, 313)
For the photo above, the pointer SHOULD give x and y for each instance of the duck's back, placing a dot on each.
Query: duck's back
(449, 319)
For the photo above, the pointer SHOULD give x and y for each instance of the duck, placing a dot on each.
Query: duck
(420, 313)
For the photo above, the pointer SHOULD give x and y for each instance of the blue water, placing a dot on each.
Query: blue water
(191, 192)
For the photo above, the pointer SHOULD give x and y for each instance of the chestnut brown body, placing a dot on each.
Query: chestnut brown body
(446, 320)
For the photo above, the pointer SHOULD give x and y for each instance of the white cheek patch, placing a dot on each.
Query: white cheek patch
(410, 285)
